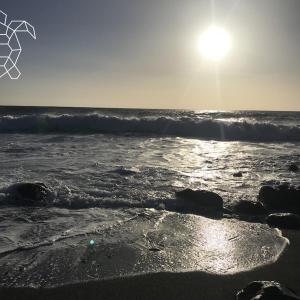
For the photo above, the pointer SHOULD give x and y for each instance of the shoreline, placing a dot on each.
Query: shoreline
(188, 285)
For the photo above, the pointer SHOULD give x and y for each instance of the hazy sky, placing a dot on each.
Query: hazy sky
(142, 53)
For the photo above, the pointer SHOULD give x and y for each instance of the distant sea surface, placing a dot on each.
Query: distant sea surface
(232, 126)
(120, 159)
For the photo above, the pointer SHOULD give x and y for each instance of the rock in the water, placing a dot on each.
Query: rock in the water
(29, 193)
(266, 290)
(284, 221)
(126, 171)
(238, 174)
(283, 198)
(293, 168)
(199, 201)
(249, 208)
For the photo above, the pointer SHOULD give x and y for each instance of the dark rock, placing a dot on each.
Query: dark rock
(238, 174)
(266, 290)
(29, 193)
(284, 221)
(154, 249)
(249, 208)
(283, 198)
(293, 168)
(126, 172)
(198, 201)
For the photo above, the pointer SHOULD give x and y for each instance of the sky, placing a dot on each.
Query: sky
(144, 54)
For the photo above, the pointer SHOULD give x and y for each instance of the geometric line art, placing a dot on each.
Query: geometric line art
(10, 47)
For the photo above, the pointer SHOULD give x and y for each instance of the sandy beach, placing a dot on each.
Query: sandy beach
(162, 285)
(189, 285)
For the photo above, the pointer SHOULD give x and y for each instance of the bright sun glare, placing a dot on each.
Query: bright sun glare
(215, 43)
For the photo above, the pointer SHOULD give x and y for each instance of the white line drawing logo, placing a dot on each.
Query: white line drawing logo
(10, 47)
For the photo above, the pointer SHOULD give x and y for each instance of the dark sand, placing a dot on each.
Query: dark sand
(192, 285)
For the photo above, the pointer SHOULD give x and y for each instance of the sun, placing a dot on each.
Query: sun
(215, 43)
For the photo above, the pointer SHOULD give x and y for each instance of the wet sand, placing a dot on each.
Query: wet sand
(175, 285)
(192, 285)
(150, 241)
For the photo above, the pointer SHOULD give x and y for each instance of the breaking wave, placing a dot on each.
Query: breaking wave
(162, 126)
(10, 196)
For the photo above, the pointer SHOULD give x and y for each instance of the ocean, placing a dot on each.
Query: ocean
(107, 167)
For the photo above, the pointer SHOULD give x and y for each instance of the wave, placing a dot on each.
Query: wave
(162, 126)
(37, 194)
(83, 201)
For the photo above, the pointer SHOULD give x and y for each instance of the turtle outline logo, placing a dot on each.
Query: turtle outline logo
(10, 47)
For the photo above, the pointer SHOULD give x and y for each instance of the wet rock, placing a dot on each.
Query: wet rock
(249, 208)
(293, 168)
(283, 198)
(266, 290)
(238, 174)
(28, 194)
(126, 171)
(284, 221)
(154, 249)
(199, 201)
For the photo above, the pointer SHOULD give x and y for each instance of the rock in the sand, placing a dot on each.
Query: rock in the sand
(293, 168)
(29, 193)
(266, 290)
(199, 201)
(284, 221)
(238, 174)
(246, 207)
(283, 197)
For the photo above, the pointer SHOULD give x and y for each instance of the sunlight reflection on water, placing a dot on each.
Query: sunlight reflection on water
(227, 246)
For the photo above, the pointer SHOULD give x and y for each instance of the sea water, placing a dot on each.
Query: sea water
(105, 166)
